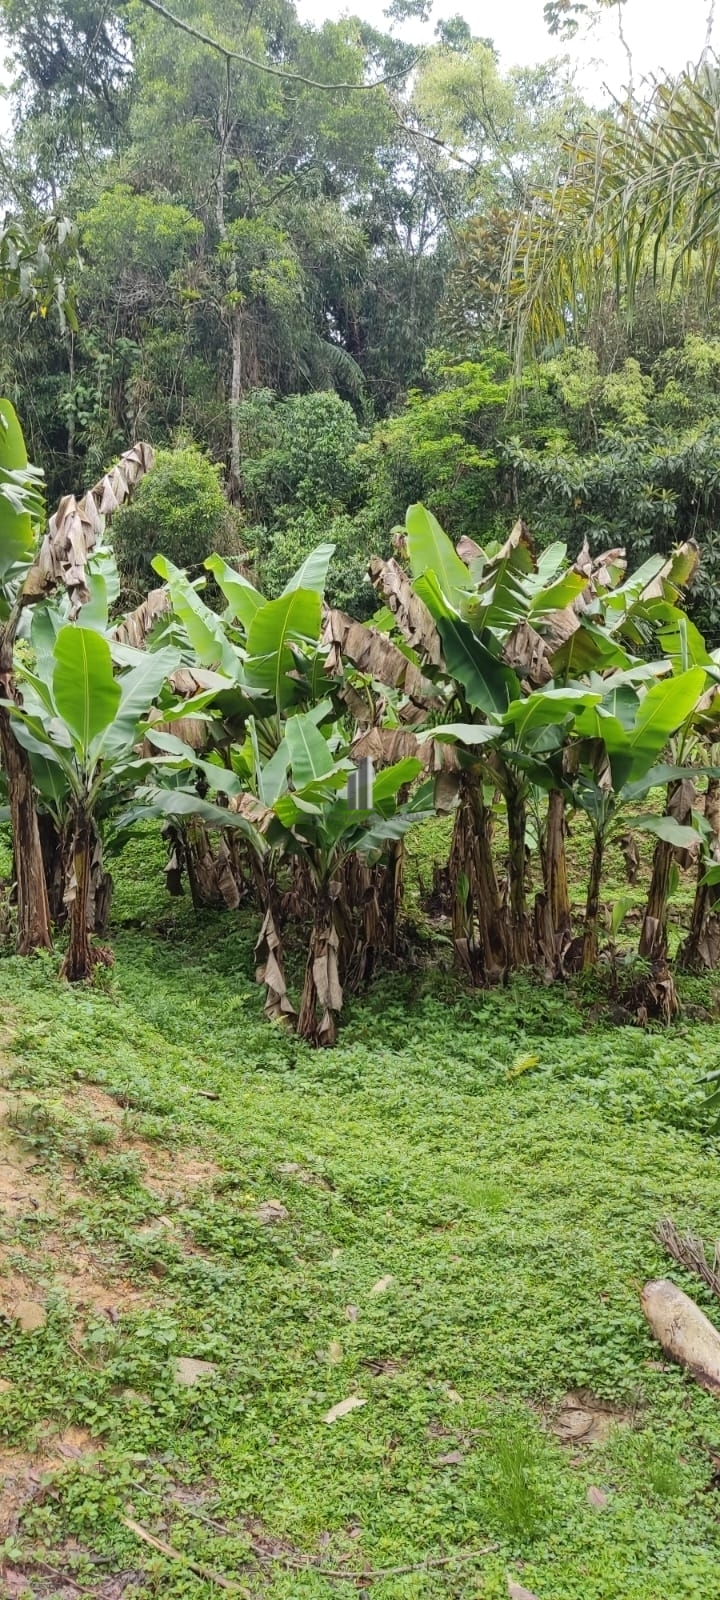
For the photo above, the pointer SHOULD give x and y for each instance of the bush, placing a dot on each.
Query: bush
(348, 585)
(178, 510)
(298, 453)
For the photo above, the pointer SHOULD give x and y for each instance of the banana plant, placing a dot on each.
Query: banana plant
(302, 806)
(21, 517)
(267, 660)
(615, 761)
(498, 617)
(78, 725)
(32, 566)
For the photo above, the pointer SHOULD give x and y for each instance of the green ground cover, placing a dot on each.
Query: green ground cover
(466, 1190)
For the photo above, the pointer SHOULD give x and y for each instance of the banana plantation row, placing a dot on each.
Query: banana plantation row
(490, 680)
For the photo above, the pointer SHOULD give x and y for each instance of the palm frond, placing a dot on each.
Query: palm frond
(639, 196)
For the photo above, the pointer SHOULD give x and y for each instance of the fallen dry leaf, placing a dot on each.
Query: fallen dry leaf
(382, 1284)
(454, 1458)
(516, 1592)
(583, 1420)
(343, 1408)
(335, 1352)
(352, 1313)
(597, 1497)
(453, 1396)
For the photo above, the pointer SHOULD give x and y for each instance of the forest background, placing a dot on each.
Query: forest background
(299, 293)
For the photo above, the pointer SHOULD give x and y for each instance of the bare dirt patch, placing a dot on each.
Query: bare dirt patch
(581, 1419)
(25, 1476)
(171, 1174)
(33, 1190)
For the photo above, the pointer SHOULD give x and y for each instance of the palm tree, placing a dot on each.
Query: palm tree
(638, 198)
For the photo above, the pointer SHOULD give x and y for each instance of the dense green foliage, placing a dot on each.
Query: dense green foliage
(180, 509)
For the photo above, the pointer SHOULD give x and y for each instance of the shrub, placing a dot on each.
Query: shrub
(179, 509)
(348, 585)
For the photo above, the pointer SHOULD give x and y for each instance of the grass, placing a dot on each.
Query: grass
(470, 1183)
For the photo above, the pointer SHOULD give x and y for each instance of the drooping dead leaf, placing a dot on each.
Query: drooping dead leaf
(271, 972)
(412, 616)
(385, 746)
(335, 1352)
(527, 651)
(371, 651)
(467, 549)
(352, 1313)
(135, 627)
(247, 805)
(343, 1408)
(75, 527)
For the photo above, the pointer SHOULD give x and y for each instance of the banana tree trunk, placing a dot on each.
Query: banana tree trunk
(556, 874)
(492, 932)
(79, 960)
(33, 909)
(553, 926)
(322, 995)
(592, 904)
(479, 930)
(701, 950)
(54, 853)
(519, 927)
(59, 862)
(269, 953)
(681, 797)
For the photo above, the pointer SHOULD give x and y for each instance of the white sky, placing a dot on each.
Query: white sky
(663, 34)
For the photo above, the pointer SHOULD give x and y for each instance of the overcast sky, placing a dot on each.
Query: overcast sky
(663, 34)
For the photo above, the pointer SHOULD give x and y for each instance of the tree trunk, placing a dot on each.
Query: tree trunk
(478, 918)
(322, 990)
(79, 961)
(54, 853)
(33, 909)
(553, 926)
(269, 952)
(101, 886)
(492, 933)
(519, 928)
(701, 950)
(653, 934)
(236, 335)
(392, 873)
(592, 905)
(556, 876)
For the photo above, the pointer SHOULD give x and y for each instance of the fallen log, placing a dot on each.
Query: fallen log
(683, 1330)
